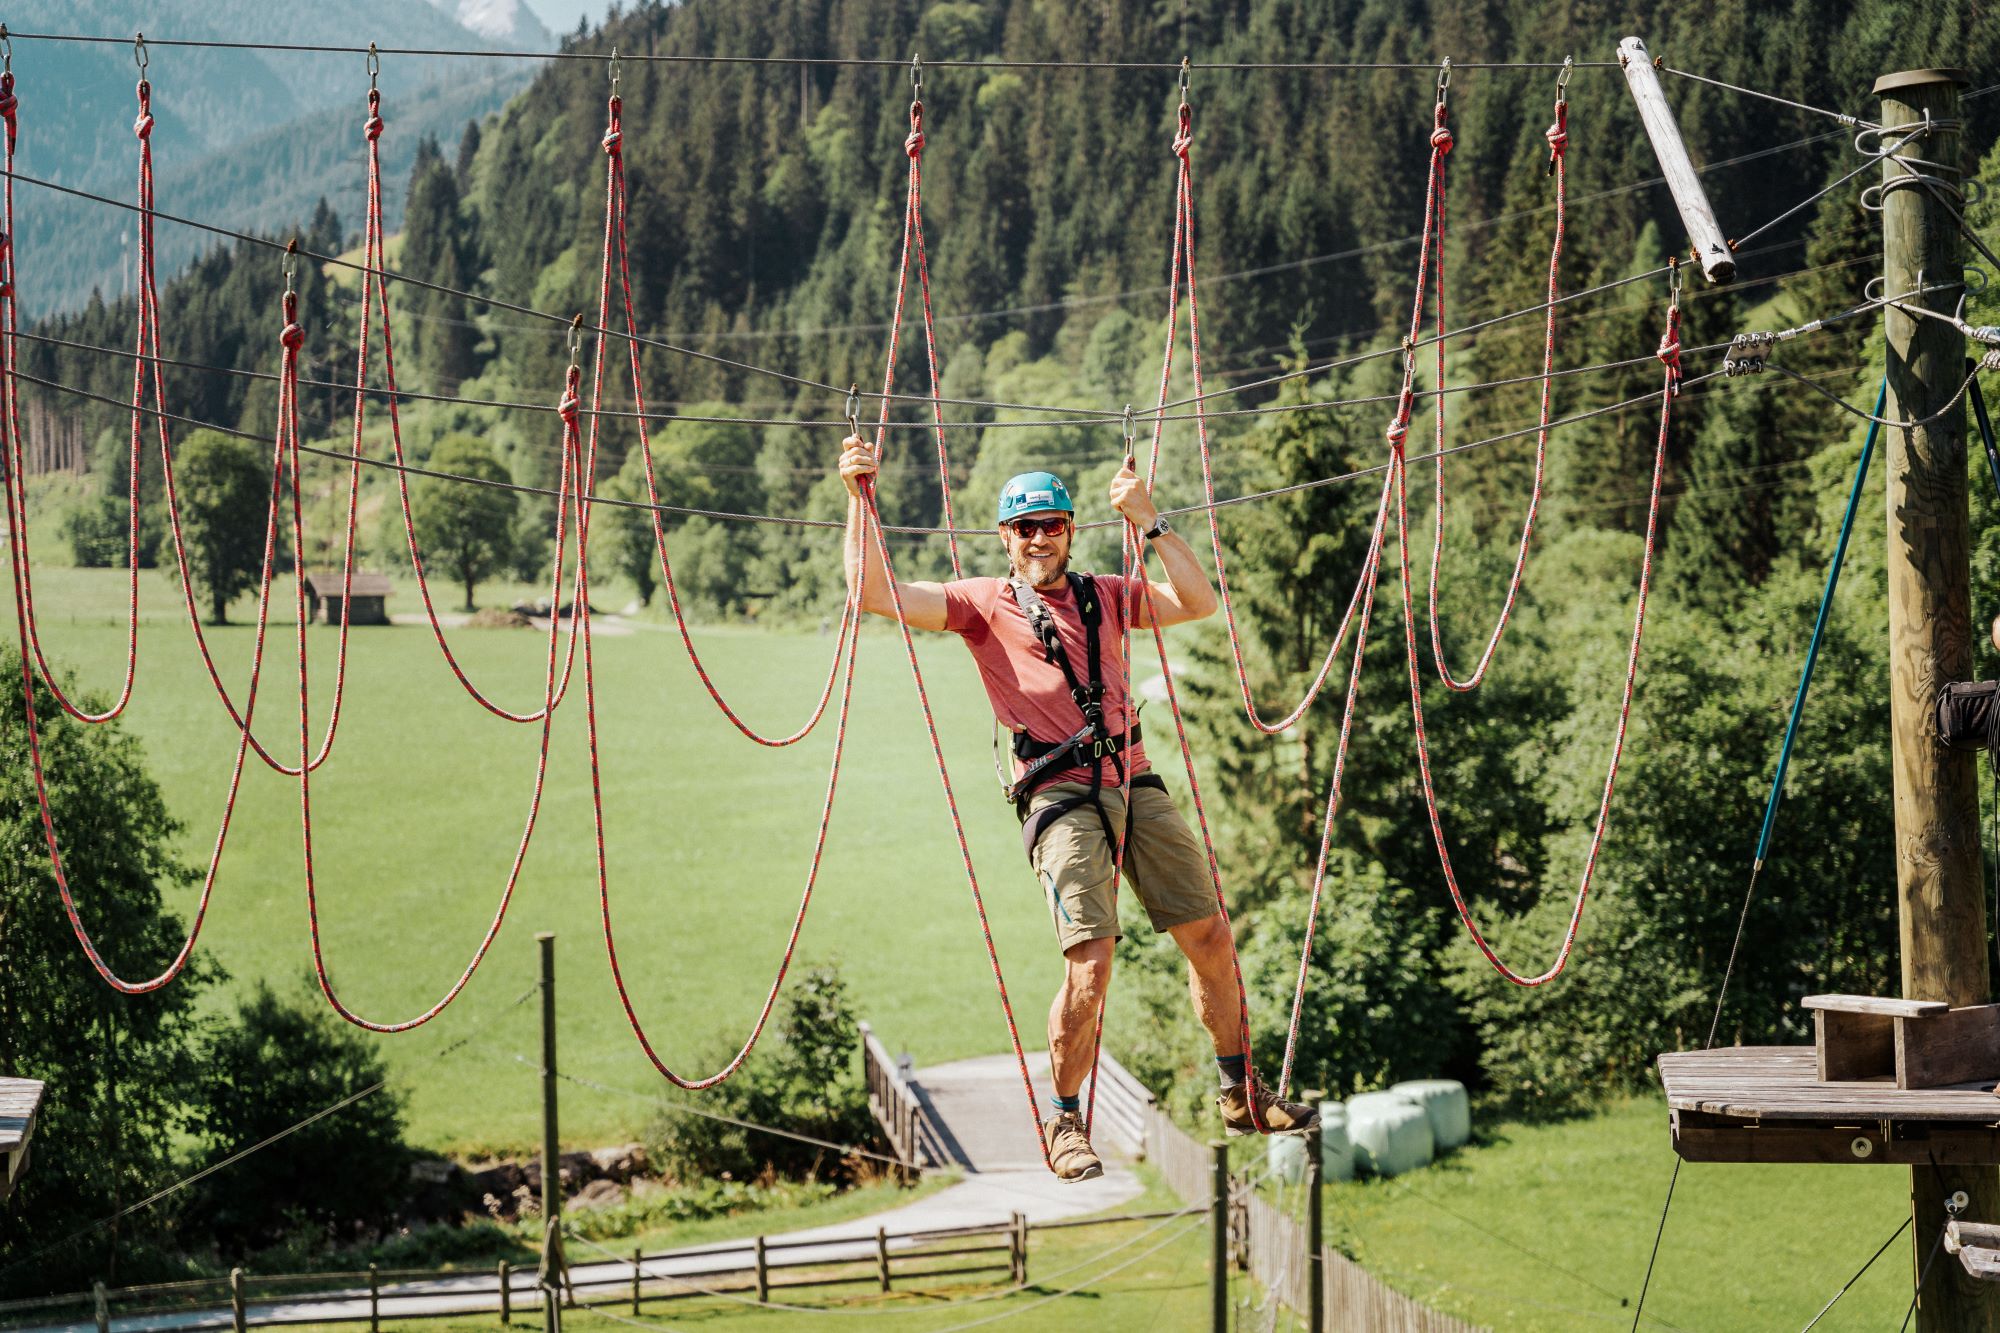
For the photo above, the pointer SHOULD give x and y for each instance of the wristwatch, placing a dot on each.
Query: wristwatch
(1159, 529)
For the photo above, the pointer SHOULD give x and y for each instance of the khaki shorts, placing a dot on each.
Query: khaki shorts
(1163, 861)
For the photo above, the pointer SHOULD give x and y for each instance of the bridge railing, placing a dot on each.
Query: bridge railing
(912, 1134)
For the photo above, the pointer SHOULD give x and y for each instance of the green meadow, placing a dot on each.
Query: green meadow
(419, 810)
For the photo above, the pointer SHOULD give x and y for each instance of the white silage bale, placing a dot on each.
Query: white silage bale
(1336, 1149)
(1445, 1102)
(1391, 1133)
(1286, 1156)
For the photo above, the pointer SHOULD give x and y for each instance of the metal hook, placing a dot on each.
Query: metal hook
(374, 65)
(139, 52)
(1562, 79)
(6, 49)
(1444, 79)
(614, 71)
(576, 340)
(1186, 75)
(1131, 433)
(853, 410)
(291, 265)
(1674, 279)
(916, 74)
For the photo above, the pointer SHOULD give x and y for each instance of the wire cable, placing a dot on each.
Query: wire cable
(1852, 121)
(1901, 1227)
(888, 62)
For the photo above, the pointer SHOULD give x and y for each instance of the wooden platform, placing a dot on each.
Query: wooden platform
(1766, 1104)
(20, 1099)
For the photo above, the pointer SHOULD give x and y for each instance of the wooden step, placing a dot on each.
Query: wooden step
(1917, 1043)
(1977, 1245)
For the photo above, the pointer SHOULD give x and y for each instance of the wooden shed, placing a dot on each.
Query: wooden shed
(20, 1099)
(370, 593)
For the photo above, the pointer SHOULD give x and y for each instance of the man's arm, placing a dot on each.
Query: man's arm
(923, 603)
(1186, 595)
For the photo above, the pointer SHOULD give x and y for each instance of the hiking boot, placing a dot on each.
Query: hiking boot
(1278, 1117)
(1070, 1152)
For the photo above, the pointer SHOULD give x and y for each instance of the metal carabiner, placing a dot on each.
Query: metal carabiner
(1444, 80)
(1186, 76)
(916, 74)
(1131, 436)
(1562, 79)
(576, 341)
(614, 71)
(291, 265)
(6, 49)
(139, 53)
(1674, 279)
(853, 411)
(374, 65)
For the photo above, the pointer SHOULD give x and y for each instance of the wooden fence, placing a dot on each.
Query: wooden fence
(908, 1126)
(757, 1269)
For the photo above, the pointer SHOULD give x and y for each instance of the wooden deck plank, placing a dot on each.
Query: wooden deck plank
(1781, 1083)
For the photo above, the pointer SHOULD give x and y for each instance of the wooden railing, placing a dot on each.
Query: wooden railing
(912, 1134)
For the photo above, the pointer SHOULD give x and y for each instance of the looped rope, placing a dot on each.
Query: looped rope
(9, 104)
(571, 406)
(372, 127)
(143, 126)
(614, 135)
(1670, 350)
(291, 337)
(913, 145)
(1441, 140)
(1558, 133)
(1184, 133)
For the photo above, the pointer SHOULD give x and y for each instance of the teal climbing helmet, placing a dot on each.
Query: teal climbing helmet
(1033, 493)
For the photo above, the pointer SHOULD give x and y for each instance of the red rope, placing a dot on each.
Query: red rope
(16, 494)
(373, 261)
(913, 245)
(1669, 353)
(849, 641)
(1558, 138)
(569, 487)
(1183, 257)
(147, 356)
(615, 239)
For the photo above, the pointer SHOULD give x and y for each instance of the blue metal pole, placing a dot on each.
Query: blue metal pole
(1819, 626)
(1985, 429)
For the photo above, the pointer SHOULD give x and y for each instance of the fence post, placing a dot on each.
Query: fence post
(506, 1292)
(1021, 1229)
(1218, 1259)
(374, 1301)
(882, 1256)
(102, 1302)
(1315, 1253)
(763, 1273)
(237, 1317)
(552, 1265)
(638, 1254)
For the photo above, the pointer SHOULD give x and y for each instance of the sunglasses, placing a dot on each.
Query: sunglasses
(1053, 526)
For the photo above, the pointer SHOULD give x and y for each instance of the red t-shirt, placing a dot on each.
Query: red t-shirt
(1027, 690)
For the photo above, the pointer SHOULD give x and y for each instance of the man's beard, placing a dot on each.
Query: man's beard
(1061, 567)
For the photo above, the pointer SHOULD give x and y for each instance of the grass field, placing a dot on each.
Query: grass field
(1548, 1226)
(418, 812)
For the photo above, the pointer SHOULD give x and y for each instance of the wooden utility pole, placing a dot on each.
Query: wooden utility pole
(552, 1273)
(1941, 912)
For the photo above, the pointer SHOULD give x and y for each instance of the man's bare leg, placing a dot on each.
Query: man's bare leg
(1073, 1016)
(1212, 981)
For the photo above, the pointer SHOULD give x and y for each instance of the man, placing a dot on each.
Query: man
(1049, 645)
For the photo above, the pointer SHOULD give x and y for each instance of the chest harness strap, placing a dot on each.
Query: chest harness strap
(1092, 743)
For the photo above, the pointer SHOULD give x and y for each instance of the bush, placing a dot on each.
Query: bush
(804, 1077)
(279, 1061)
